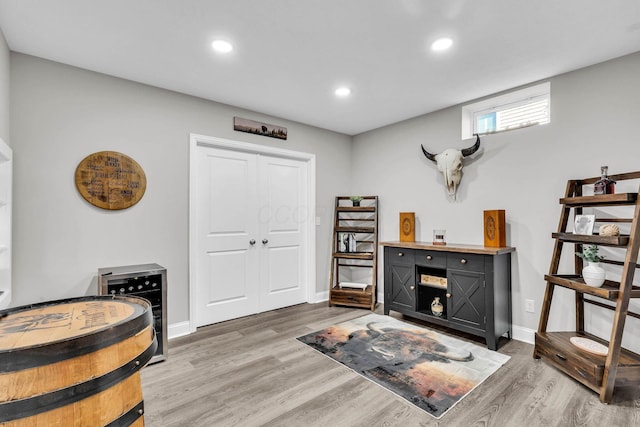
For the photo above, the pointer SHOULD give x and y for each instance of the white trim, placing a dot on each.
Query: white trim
(6, 206)
(179, 329)
(321, 297)
(523, 334)
(227, 144)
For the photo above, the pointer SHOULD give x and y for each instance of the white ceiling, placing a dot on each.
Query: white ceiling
(291, 55)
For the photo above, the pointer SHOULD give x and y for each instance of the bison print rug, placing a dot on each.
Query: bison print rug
(431, 370)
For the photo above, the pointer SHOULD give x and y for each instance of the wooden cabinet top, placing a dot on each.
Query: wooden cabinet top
(451, 247)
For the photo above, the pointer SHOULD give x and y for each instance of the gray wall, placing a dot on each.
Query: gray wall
(60, 114)
(4, 89)
(595, 122)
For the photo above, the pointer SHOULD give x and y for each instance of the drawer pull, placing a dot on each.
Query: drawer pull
(463, 261)
(561, 357)
(448, 295)
(400, 254)
(412, 287)
(429, 257)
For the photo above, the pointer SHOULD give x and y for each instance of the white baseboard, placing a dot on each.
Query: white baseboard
(178, 329)
(523, 334)
(184, 328)
(320, 297)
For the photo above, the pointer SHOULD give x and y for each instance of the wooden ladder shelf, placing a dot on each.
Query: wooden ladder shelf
(354, 269)
(620, 367)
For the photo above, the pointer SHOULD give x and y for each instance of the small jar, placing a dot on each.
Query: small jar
(439, 237)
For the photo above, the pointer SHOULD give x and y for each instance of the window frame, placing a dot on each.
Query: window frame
(528, 95)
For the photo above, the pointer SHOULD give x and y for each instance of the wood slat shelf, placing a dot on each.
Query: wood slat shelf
(600, 200)
(605, 219)
(357, 219)
(594, 239)
(609, 290)
(353, 255)
(609, 307)
(354, 251)
(348, 229)
(353, 265)
(356, 209)
(620, 367)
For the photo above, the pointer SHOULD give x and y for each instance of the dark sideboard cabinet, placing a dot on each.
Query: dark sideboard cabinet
(473, 283)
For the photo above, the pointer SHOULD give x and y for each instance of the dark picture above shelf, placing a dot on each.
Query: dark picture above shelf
(259, 128)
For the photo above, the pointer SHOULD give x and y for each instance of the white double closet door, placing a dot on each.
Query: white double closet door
(251, 231)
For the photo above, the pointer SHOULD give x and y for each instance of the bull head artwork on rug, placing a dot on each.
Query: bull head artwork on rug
(375, 346)
(449, 162)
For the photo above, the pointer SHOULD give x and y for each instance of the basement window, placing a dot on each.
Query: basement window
(514, 110)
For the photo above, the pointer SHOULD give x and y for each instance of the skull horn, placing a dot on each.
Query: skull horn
(469, 151)
(428, 155)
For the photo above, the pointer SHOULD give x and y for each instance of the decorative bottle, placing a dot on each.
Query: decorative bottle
(437, 307)
(604, 185)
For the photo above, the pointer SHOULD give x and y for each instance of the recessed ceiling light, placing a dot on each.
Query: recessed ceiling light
(343, 91)
(441, 44)
(222, 46)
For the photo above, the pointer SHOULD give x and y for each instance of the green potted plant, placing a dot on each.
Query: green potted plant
(592, 273)
(355, 200)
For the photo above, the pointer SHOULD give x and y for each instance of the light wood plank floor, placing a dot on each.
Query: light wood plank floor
(253, 372)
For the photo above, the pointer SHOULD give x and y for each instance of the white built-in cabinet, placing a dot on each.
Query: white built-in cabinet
(6, 167)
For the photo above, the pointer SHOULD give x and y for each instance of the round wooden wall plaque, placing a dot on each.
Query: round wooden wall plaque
(110, 180)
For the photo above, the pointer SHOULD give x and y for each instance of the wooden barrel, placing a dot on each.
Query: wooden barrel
(75, 362)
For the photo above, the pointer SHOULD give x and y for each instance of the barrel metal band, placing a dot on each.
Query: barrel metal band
(129, 417)
(31, 406)
(32, 357)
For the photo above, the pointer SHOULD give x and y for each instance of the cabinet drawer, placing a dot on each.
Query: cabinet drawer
(431, 259)
(399, 255)
(558, 353)
(351, 296)
(466, 262)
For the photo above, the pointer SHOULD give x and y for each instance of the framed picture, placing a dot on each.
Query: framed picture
(584, 224)
(259, 128)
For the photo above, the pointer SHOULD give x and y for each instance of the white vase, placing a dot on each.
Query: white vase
(593, 274)
(436, 307)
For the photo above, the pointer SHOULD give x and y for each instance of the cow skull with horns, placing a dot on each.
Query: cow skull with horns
(450, 164)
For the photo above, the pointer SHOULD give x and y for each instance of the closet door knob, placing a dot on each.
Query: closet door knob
(448, 295)
(252, 242)
(265, 241)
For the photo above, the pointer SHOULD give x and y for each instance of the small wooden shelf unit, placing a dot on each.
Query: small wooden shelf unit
(620, 367)
(362, 223)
